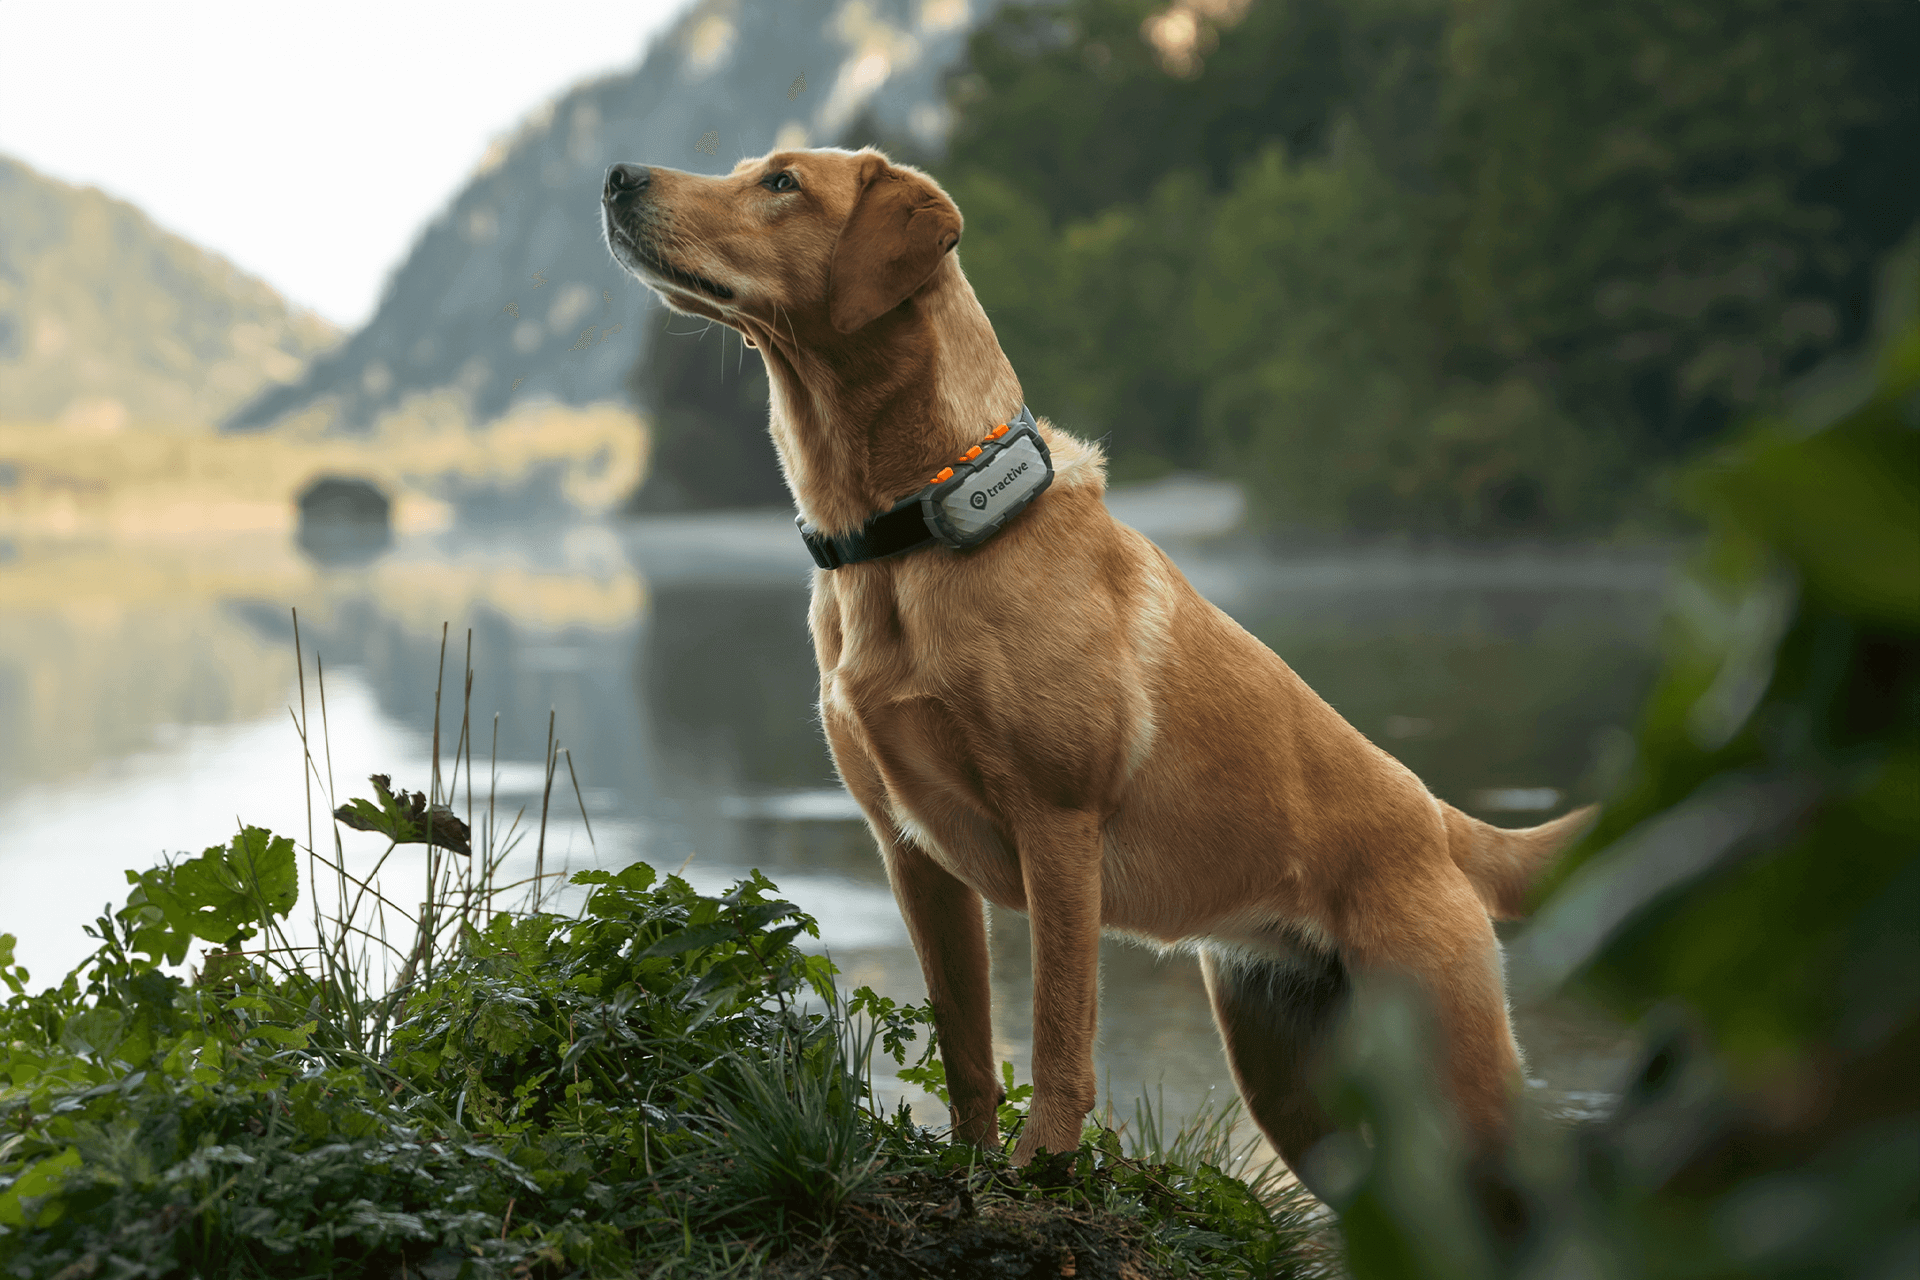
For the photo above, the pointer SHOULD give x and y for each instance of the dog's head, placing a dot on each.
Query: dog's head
(814, 242)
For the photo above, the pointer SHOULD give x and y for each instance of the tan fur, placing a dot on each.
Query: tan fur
(1056, 721)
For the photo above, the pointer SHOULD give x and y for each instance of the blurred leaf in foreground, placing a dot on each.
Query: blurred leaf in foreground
(1749, 896)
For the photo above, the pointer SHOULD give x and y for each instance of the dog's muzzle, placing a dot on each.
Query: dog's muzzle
(627, 188)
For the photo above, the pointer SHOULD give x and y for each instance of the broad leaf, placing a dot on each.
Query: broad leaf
(406, 818)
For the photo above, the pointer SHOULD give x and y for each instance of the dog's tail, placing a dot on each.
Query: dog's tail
(1501, 861)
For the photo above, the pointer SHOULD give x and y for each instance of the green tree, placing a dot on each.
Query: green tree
(1324, 380)
(1408, 265)
(1070, 104)
(1664, 210)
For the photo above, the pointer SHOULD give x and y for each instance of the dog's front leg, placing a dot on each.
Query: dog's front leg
(949, 931)
(948, 926)
(1060, 865)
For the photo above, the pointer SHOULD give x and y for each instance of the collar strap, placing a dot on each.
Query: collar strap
(900, 528)
(961, 507)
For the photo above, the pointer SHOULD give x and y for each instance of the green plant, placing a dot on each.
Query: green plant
(1217, 1136)
(662, 1082)
(793, 1120)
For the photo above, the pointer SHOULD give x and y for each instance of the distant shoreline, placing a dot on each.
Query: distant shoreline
(153, 481)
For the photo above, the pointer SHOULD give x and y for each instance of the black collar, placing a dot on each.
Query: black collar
(912, 522)
(900, 528)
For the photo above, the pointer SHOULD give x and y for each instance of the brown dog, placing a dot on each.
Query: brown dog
(1056, 721)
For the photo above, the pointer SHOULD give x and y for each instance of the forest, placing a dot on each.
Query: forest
(1400, 266)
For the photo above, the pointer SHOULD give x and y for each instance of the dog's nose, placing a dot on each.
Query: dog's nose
(626, 179)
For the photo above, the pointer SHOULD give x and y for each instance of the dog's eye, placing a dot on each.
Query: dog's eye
(782, 181)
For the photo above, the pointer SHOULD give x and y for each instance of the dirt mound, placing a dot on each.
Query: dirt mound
(976, 1225)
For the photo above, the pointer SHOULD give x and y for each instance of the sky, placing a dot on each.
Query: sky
(307, 143)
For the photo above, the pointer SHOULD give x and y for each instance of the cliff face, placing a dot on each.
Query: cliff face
(510, 294)
(105, 318)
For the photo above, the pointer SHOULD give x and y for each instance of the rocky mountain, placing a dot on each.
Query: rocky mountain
(105, 318)
(510, 293)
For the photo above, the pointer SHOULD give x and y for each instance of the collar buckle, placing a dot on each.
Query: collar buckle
(824, 552)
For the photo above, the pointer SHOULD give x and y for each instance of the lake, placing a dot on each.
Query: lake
(146, 688)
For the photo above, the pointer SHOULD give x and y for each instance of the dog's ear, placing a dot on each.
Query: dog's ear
(900, 228)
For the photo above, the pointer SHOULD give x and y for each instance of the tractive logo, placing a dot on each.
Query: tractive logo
(979, 499)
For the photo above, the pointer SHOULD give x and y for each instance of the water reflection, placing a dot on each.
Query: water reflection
(728, 676)
(144, 694)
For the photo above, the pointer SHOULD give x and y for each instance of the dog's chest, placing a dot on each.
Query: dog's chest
(916, 705)
(936, 792)
(921, 715)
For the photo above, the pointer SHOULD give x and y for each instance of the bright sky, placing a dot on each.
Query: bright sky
(308, 143)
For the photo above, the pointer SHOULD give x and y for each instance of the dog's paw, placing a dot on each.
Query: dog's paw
(978, 1124)
(1049, 1129)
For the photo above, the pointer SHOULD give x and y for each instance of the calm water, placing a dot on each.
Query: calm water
(145, 694)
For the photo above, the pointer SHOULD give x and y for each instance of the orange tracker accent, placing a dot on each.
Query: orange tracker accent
(946, 473)
(971, 454)
(997, 432)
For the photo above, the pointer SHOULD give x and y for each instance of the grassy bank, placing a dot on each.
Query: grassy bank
(661, 1083)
